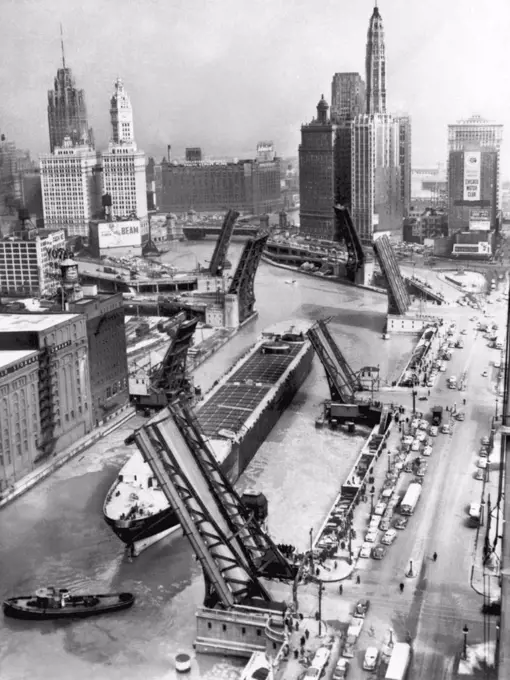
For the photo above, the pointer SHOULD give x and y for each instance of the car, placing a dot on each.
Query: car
(480, 474)
(384, 524)
(370, 660)
(460, 416)
(421, 436)
(415, 445)
(442, 368)
(484, 452)
(427, 451)
(418, 480)
(434, 431)
(415, 424)
(463, 331)
(430, 383)
(407, 440)
(348, 650)
(341, 670)
(378, 552)
(420, 472)
(407, 468)
(365, 551)
(446, 429)
(482, 463)
(389, 537)
(312, 673)
(400, 523)
(485, 441)
(361, 608)
(423, 425)
(371, 536)
(485, 374)
(380, 508)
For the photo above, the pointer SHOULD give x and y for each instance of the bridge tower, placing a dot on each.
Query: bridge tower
(243, 280)
(345, 230)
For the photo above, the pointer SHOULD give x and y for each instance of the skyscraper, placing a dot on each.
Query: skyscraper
(124, 164)
(375, 65)
(67, 111)
(404, 160)
(347, 96)
(316, 175)
(474, 147)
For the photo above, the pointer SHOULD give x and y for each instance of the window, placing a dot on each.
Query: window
(224, 627)
(209, 625)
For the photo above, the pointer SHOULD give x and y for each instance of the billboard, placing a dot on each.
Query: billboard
(479, 220)
(119, 234)
(472, 166)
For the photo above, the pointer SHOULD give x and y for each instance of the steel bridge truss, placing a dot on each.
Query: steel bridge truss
(220, 251)
(243, 280)
(345, 228)
(342, 381)
(398, 297)
(171, 375)
(230, 578)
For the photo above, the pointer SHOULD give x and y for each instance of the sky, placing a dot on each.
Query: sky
(225, 74)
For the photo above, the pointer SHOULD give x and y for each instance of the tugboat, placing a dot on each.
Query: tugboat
(48, 603)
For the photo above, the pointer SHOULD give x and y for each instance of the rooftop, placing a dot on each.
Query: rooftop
(32, 322)
(9, 357)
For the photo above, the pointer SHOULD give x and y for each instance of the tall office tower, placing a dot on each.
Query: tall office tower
(71, 190)
(67, 111)
(404, 160)
(316, 175)
(348, 96)
(124, 164)
(375, 65)
(376, 202)
(348, 99)
(474, 147)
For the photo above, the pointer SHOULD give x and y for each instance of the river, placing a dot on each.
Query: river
(55, 534)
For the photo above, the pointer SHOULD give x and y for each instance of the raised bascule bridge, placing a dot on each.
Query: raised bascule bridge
(356, 259)
(345, 386)
(239, 614)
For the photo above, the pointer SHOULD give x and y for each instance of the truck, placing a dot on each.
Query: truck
(399, 661)
(411, 498)
(437, 415)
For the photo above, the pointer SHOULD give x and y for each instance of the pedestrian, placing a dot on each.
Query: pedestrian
(429, 393)
(307, 633)
(401, 587)
(435, 556)
(302, 641)
(335, 564)
(296, 626)
(358, 579)
(464, 401)
(340, 589)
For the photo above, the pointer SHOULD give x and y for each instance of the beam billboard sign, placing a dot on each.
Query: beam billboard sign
(472, 165)
(119, 234)
(479, 220)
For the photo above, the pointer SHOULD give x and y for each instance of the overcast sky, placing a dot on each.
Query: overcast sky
(225, 74)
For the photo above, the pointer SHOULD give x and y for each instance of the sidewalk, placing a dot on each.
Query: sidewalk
(42, 471)
(485, 578)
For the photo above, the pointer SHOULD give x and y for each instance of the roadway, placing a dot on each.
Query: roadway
(439, 600)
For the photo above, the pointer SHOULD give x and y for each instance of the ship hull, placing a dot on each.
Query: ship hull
(136, 532)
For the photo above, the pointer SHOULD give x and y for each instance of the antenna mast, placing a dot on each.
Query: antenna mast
(62, 46)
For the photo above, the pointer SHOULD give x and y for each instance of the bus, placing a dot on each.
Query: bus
(410, 499)
(399, 661)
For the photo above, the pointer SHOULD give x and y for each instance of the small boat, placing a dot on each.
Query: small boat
(48, 603)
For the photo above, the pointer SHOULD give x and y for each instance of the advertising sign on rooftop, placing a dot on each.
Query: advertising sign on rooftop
(479, 220)
(119, 234)
(472, 165)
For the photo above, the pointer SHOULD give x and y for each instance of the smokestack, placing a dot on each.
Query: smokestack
(168, 149)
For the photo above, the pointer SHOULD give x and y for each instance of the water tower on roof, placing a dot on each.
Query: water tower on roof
(71, 289)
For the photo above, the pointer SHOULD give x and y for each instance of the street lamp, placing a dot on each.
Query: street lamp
(389, 461)
(372, 492)
(311, 551)
(497, 402)
(465, 630)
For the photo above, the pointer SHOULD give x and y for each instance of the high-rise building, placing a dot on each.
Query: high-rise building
(71, 189)
(348, 96)
(376, 189)
(316, 175)
(404, 160)
(28, 263)
(124, 164)
(67, 111)
(193, 154)
(474, 147)
(375, 65)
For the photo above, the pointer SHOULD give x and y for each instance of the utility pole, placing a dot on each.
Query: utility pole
(321, 590)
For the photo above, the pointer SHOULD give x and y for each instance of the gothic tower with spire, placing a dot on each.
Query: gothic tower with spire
(67, 111)
(375, 65)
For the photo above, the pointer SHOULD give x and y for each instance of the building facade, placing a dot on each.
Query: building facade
(376, 187)
(316, 176)
(67, 112)
(63, 372)
(375, 65)
(404, 160)
(71, 189)
(19, 415)
(29, 263)
(348, 96)
(124, 164)
(474, 195)
(106, 334)
(251, 186)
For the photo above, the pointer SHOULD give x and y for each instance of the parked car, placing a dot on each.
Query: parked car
(348, 650)
(400, 523)
(484, 374)
(484, 452)
(380, 508)
(361, 608)
(341, 670)
(460, 416)
(378, 552)
(415, 424)
(446, 429)
(423, 425)
(480, 474)
(427, 451)
(415, 445)
(482, 463)
(485, 441)
(365, 551)
(389, 537)
(408, 467)
(434, 431)
(370, 660)
(371, 536)
(408, 440)
(384, 524)
(421, 436)
(420, 472)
